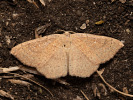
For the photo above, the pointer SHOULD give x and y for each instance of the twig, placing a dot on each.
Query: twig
(33, 82)
(32, 1)
(104, 88)
(84, 95)
(29, 70)
(6, 77)
(5, 94)
(14, 81)
(62, 82)
(96, 91)
(35, 4)
(7, 70)
(130, 95)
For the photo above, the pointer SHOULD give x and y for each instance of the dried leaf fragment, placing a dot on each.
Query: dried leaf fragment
(99, 22)
(41, 29)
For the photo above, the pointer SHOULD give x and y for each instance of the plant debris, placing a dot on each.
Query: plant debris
(20, 82)
(32, 1)
(99, 22)
(96, 91)
(103, 90)
(125, 94)
(10, 69)
(42, 2)
(84, 95)
(40, 30)
(5, 94)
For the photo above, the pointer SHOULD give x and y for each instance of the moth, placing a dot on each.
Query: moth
(57, 55)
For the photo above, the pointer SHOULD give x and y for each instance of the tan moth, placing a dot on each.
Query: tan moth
(57, 55)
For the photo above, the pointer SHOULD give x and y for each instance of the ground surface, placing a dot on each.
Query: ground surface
(19, 19)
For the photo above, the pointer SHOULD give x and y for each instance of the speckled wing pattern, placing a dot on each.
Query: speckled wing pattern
(56, 55)
(89, 51)
(45, 54)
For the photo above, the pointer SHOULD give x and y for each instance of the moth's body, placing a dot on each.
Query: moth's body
(76, 54)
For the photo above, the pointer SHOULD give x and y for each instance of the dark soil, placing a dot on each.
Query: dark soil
(19, 19)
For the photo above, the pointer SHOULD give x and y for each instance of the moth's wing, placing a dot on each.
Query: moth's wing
(33, 52)
(45, 54)
(56, 66)
(79, 64)
(91, 50)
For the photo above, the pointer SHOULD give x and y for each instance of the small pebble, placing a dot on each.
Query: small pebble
(78, 98)
(83, 26)
(7, 23)
(87, 22)
(15, 15)
(123, 41)
(94, 3)
(8, 41)
(122, 1)
(128, 31)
